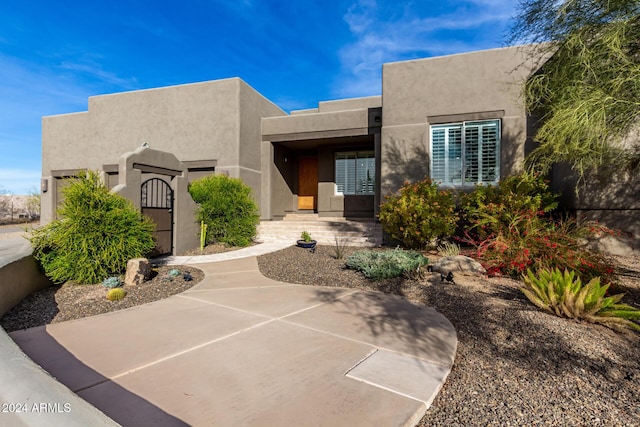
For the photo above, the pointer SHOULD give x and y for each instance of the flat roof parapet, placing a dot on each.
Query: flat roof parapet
(350, 104)
(307, 111)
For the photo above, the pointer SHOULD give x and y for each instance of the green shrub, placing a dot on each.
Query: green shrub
(509, 226)
(490, 210)
(227, 208)
(96, 233)
(532, 241)
(564, 294)
(376, 265)
(419, 214)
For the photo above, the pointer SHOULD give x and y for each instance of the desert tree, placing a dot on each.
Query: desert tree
(6, 205)
(33, 203)
(587, 93)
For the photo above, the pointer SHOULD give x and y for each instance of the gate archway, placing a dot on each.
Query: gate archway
(156, 202)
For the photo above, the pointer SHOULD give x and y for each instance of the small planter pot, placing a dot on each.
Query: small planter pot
(307, 245)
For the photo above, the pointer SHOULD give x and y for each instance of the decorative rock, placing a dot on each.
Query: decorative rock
(615, 245)
(459, 263)
(138, 270)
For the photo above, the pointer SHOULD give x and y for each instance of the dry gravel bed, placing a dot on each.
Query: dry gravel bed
(515, 365)
(69, 301)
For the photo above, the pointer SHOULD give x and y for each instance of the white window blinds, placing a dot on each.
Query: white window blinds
(466, 153)
(355, 172)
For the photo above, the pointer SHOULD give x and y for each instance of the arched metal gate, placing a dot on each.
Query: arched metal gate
(156, 202)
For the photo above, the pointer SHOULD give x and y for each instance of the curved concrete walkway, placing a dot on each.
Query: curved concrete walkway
(242, 349)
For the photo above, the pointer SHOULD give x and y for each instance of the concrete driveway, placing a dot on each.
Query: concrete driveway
(241, 349)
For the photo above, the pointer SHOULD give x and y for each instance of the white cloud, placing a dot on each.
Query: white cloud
(364, 84)
(359, 15)
(33, 89)
(404, 30)
(28, 92)
(96, 71)
(288, 103)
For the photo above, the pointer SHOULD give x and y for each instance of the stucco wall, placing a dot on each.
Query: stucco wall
(277, 186)
(251, 154)
(341, 124)
(611, 197)
(316, 125)
(23, 381)
(19, 273)
(195, 121)
(253, 107)
(471, 86)
(218, 120)
(350, 104)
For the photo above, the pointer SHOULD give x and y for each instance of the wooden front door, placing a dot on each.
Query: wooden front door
(307, 182)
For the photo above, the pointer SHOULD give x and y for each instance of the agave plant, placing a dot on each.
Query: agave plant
(112, 282)
(564, 294)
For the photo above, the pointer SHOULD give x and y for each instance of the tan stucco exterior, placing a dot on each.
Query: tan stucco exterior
(217, 120)
(227, 127)
(335, 126)
(145, 163)
(473, 86)
(210, 126)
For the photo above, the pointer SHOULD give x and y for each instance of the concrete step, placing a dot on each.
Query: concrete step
(325, 232)
(301, 217)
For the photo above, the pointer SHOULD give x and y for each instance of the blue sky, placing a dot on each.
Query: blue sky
(54, 55)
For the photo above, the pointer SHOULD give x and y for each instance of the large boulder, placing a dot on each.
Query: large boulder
(459, 264)
(138, 270)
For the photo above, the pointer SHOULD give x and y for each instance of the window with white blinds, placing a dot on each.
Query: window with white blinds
(355, 172)
(466, 153)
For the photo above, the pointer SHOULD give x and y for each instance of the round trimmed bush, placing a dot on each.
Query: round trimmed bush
(420, 214)
(96, 233)
(227, 207)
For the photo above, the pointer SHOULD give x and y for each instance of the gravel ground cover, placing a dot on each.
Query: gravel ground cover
(515, 365)
(69, 301)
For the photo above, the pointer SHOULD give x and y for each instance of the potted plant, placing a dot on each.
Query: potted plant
(306, 241)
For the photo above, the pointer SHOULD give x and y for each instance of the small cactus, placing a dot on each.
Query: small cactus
(174, 272)
(111, 282)
(116, 294)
